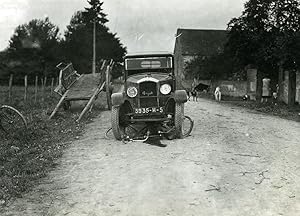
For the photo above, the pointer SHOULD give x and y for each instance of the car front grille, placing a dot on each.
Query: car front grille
(148, 89)
(148, 94)
(148, 102)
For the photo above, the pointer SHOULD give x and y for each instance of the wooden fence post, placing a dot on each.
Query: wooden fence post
(52, 86)
(43, 89)
(45, 81)
(10, 87)
(36, 88)
(25, 90)
(45, 86)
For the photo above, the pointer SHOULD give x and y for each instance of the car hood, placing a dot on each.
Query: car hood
(147, 77)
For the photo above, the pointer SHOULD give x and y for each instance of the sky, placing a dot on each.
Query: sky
(141, 25)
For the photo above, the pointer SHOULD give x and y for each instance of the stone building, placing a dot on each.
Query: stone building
(191, 43)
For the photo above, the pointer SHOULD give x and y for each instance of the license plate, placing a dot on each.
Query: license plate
(149, 110)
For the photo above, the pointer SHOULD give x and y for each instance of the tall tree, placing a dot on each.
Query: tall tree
(34, 47)
(79, 38)
(95, 14)
(262, 36)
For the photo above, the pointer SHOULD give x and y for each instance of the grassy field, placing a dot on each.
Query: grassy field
(26, 156)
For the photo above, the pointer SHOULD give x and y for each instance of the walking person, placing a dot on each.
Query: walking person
(218, 94)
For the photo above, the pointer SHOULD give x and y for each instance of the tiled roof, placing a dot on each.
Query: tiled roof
(201, 42)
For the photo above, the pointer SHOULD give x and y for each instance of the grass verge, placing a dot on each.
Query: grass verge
(27, 156)
(271, 108)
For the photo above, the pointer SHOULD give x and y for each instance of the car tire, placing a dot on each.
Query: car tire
(179, 115)
(115, 122)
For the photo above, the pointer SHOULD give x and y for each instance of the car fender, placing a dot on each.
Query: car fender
(117, 99)
(180, 96)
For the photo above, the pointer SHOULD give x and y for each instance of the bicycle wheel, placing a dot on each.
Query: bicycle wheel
(187, 126)
(109, 134)
(11, 119)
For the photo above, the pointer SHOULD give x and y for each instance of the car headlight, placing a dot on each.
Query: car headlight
(165, 89)
(132, 92)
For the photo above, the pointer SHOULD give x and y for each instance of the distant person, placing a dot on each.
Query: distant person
(275, 94)
(218, 94)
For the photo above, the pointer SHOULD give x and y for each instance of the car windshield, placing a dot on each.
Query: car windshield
(162, 64)
(134, 72)
(148, 63)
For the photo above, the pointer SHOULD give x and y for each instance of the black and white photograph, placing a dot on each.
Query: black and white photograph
(149, 108)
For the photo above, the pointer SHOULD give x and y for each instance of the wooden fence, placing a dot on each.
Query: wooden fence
(35, 89)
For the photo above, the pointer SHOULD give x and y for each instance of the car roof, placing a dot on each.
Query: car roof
(148, 54)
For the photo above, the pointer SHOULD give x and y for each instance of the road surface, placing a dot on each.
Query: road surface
(236, 162)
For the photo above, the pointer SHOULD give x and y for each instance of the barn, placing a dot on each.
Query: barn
(191, 43)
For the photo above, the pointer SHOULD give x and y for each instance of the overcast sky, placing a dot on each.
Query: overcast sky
(142, 25)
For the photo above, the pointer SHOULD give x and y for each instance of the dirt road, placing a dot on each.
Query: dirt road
(234, 163)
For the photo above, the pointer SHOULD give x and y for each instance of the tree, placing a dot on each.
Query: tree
(3, 67)
(79, 38)
(95, 13)
(34, 48)
(37, 34)
(263, 36)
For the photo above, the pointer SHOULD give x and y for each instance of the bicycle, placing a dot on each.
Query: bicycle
(187, 126)
(11, 120)
(142, 134)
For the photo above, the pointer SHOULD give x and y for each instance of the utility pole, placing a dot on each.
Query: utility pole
(94, 49)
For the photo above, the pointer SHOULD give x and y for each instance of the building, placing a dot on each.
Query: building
(191, 43)
(289, 87)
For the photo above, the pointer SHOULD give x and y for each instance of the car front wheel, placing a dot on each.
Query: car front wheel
(179, 114)
(115, 122)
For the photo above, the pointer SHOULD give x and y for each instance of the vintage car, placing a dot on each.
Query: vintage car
(149, 102)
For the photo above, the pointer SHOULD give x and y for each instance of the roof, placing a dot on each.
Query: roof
(203, 42)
